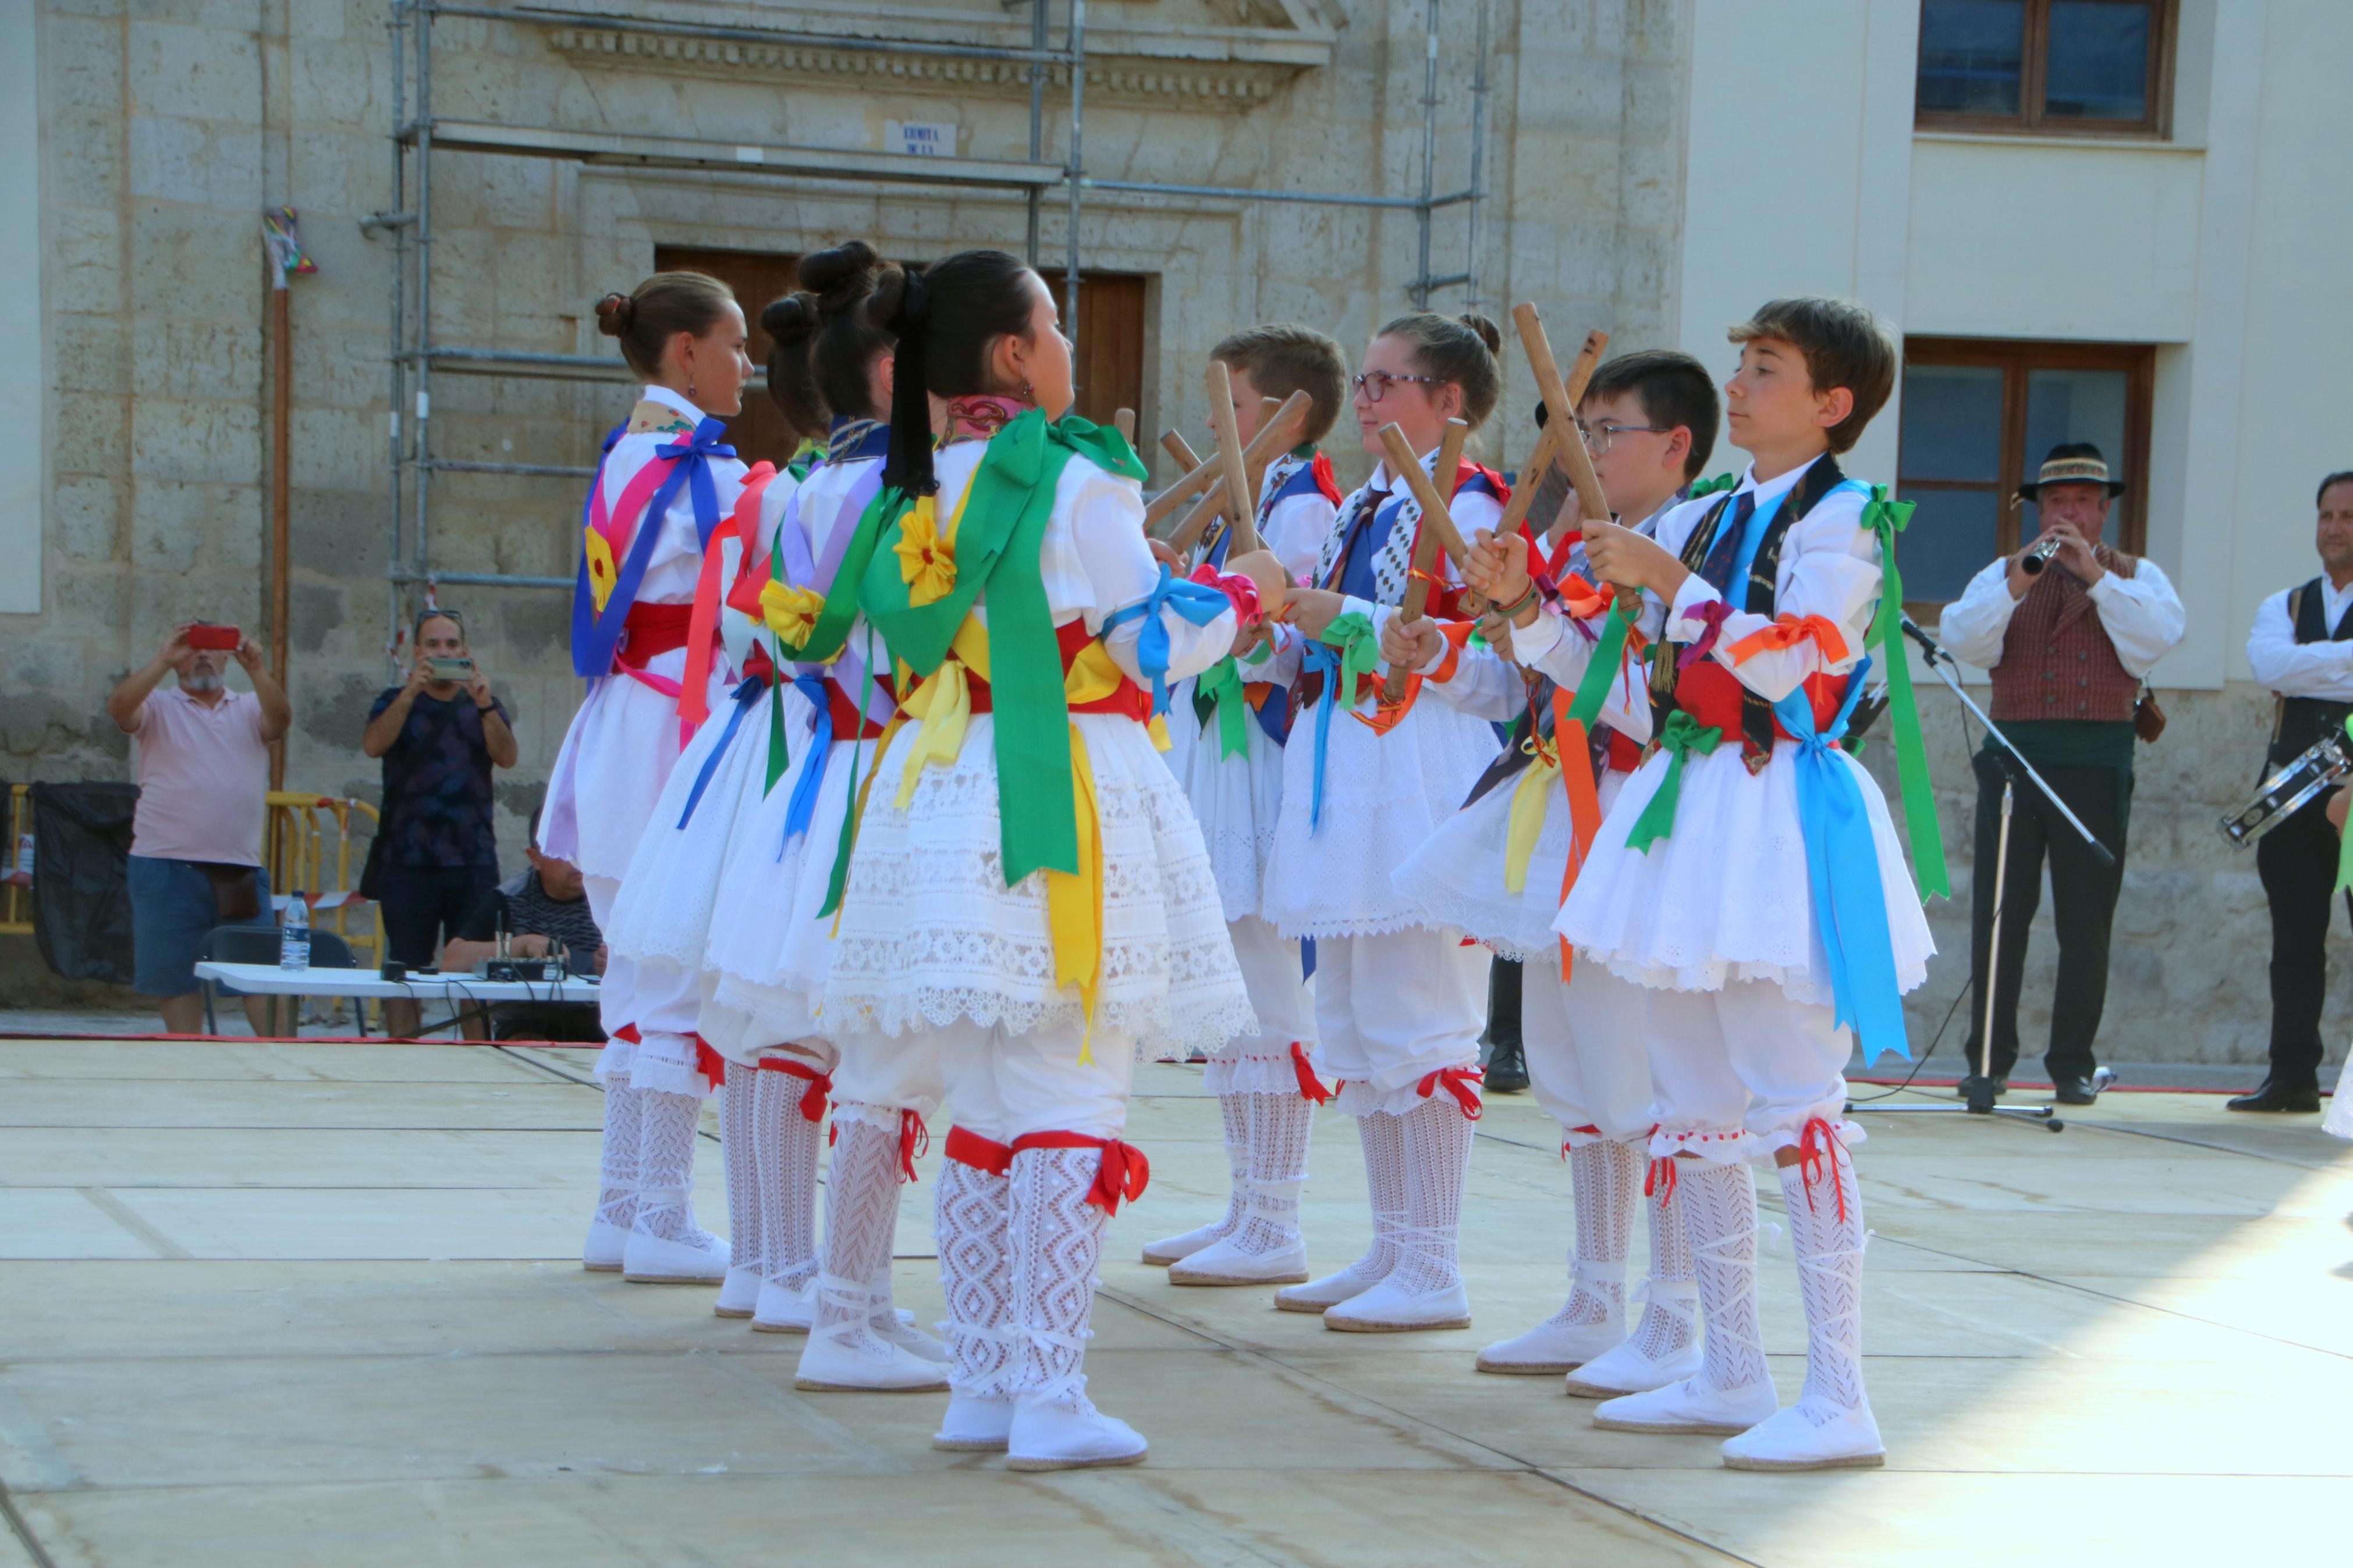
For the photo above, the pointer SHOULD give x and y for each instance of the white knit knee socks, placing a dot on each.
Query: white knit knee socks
(665, 1128)
(1280, 1128)
(861, 1212)
(1721, 1211)
(1602, 1176)
(1234, 1116)
(973, 1211)
(786, 1142)
(739, 1144)
(617, 1196)
(1826, 1229)
(1382, 1137)
(1057, 1241)
(1671, 1316)
(1437, 1147)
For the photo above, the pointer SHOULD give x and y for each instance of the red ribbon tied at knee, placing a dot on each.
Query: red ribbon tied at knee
(1456, 1081)
(708, 1062)
(1121, 1178)
(967, 1147)
(1308, 1086)
(1818, 1155)
(820, 1084)
(1659, 1179)
(914, 1141)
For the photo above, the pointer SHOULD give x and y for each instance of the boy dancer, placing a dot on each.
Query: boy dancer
(1232, 725)
(1649, 421)
(1748, 872)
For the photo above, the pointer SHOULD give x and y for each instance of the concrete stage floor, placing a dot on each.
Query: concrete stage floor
(270, 1304)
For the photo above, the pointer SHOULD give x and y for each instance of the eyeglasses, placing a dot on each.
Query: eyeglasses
(1376, 383)
(1598, 437)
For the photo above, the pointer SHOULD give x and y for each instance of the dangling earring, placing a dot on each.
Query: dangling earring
(1029, 393)
(690, 391)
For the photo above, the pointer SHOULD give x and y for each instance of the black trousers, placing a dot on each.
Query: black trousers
(2083, 906)
(2297, 861)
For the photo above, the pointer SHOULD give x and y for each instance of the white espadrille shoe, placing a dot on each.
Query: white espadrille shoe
(1390, 1307)
(974, 1424)
(1664, 1348)
(1551, 1347)
(851, 1357)
(1225, 1263)
(783, 1310)
(601, 1253)
(1799, 1438)
(739, 1293)
(1322, 1295)
(898, 1328)
(649, 1259)
(1060, 1429)
(1690, 1405)
(1162, 1253)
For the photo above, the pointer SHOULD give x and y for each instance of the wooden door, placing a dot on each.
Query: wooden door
(1111, 340)
(757, 277)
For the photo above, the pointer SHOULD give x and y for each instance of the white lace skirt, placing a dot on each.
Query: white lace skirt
(1456, 875)
(664, 916)
(1383, 794)
(1727, 895)
(615, 759)
(1237, 799)
(931, 933)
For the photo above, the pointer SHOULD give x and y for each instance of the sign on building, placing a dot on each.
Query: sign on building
(921, 139)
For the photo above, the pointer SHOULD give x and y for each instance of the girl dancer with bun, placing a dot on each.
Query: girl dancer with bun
(1400, 1001)
(1230, 725)
(772, 942)
(1028, 900)
(665, 485)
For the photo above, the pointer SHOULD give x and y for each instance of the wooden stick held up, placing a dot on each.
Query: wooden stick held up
(1124, 421)
(1541, 461)
(1425, 547)
(1242, 504)
(1571, 455)
(1406, 463)
(1198, 474)
(1279, 431)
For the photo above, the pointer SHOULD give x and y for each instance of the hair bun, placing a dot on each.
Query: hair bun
(900, 305)
(837, 276)
(614, 314)
(1489, 333)
(791, 319)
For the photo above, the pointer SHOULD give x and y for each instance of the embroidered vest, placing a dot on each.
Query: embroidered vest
(2057, 661)
(2301, 721)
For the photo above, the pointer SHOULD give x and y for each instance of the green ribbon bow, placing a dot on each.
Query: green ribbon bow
(1219, 692)
(1709, 486)
(779, 759)
(1593, 687)
(1360, 654)
(1683, 736)
(996, 548)
(1887, 519)
(2345, 844)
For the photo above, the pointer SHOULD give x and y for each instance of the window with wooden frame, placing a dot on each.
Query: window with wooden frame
(1978, 416)
(2051, 68)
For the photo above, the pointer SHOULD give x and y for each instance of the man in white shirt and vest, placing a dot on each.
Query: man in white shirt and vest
(2302, 648)
(2068, 647)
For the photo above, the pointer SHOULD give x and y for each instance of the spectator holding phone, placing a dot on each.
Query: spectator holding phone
(439, 733)
(204, 780)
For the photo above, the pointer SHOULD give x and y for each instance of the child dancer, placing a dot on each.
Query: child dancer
(1749, 874)
(771, 942)
(1027, 899)
(666, 483)
(1231, 724)
(1398, 999)
(1649, 421)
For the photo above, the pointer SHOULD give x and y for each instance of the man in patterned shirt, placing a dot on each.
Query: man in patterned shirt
(544, 912)
(440, 733)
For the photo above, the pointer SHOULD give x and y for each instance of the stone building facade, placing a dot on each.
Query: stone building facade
(166, 126)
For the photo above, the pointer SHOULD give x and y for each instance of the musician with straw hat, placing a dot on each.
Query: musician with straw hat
(2069, 626)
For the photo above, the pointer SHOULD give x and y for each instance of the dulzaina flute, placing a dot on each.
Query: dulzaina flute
(2036, 559)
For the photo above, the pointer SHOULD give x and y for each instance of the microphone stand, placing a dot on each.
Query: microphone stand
(1980, 1101)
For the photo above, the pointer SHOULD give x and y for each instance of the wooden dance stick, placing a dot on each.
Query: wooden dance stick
(1124, 421)
(1241, 503)
(1568, 453)
(1532, 473)
(1196, 475)
(1277, 431)
(1425, 546)
(1406, 463)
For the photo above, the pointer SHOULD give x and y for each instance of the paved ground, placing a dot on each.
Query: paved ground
(316, 1304)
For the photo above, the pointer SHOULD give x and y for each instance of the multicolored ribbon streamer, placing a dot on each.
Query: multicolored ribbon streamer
(597, 628)
(1197, 603)
(1887, 519)
(1683, 735)
(1349, 649)
(801, 810)
(747, 694)
(1843, 864)
(1218, 690)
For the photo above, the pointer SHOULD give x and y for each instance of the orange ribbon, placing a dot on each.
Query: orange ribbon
(702, 629)
(1121, 1178)
(1456, 1081)
(820, 1084)
(1787, 632)
(1386, 715)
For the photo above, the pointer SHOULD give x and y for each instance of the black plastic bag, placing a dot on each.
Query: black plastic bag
(82, 878)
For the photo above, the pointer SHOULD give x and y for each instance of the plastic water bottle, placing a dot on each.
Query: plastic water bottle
(294, 934)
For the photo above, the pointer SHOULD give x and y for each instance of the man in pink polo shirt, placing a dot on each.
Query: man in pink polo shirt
(195, 842)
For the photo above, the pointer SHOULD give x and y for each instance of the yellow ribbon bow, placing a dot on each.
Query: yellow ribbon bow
(926, 556)
(1531, 803)
(789, 611)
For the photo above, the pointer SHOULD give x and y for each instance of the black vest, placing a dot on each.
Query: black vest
(2303, 720)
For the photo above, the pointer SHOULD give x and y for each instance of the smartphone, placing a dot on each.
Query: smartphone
(215, 637)
(449, 668)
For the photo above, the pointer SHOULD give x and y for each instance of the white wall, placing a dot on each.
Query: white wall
(22, 445)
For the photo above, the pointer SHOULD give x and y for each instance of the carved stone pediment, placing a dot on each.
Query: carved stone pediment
(1216, 54)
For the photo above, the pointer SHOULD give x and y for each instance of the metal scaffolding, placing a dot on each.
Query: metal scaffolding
(416, 353)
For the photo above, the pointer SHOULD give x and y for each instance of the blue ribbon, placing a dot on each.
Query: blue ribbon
(596, 635)
(801, 810)
(1842, 862)
(1197, 603)
(747, 695)
(1321, 658)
